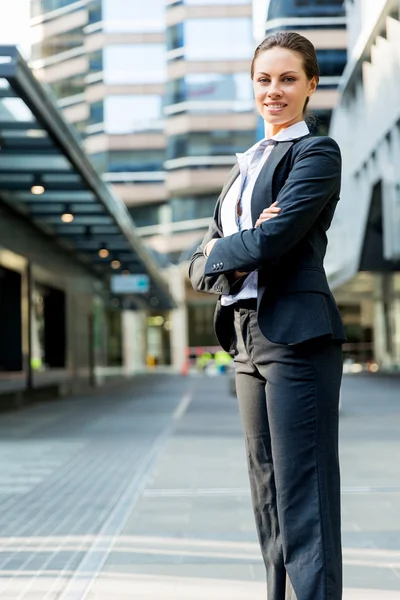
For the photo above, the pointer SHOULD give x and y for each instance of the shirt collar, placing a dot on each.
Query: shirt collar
(293, 132)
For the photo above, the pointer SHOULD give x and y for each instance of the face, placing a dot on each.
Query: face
(281, 87)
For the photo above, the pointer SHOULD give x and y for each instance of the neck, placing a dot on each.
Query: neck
(272, 129)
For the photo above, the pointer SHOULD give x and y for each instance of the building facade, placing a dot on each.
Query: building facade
(363, 260)
(161, 114)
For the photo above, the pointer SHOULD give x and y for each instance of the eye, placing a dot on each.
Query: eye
(263, 80)
(289, 79)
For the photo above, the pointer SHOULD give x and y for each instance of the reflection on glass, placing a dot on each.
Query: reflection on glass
(226, 39)
(126, 114)
(145, 216)
(135, 15)
(55, 44)
(129, 161)
(210, 143)
(210, 87)
(185, 209)
(139, 63)
(332, 61)
(39, 7)
(310, 8)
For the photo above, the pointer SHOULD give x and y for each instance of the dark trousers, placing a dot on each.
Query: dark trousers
(288, 400)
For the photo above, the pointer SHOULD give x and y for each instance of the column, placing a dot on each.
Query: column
(179, 328)
(134, 341)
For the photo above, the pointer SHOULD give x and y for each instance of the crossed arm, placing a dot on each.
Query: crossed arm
(313, 181)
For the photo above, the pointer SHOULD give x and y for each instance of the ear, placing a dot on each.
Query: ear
(313, 86)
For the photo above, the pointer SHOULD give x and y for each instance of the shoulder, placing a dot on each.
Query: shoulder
(316, 144)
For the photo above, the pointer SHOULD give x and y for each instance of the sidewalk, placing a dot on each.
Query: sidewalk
(142, 494)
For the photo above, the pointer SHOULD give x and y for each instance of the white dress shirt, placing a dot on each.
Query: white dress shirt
(242, 188)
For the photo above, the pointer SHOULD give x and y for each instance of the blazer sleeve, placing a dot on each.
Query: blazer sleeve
(214, 283)
(313, 181)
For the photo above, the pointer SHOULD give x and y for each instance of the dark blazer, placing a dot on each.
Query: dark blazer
(294, 302)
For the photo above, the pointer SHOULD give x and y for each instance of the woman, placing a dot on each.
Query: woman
(263, 254)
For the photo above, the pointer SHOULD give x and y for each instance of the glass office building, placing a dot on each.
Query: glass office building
(105, 62)
(209, 107)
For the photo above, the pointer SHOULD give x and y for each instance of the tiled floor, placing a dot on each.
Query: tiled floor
(142, 493)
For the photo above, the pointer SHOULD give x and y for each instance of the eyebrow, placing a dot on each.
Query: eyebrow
(285, 73)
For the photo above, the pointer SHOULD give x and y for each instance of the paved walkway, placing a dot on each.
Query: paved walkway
(141, 493)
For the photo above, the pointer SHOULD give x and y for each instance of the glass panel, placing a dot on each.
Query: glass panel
(129, 161)
(332, 62)
(95, 11)
(69, 87)
(139, 63)
(174, 36)
(220, 34)
(185, 209)
(62, 42)
(210, 87)
(311, 8)
(150, 214)
(213, 143)
(42, 6)
(135, 15)
(126, 114)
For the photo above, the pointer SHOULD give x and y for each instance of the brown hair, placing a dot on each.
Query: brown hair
(296, 43)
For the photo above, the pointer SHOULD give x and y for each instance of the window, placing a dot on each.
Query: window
(213, 143)
(174, 36)
(210, 87)
(145, 216)
(135, 63)
(96, 61)
(129, 161)
(127, 114)
(69, 87)
(186, 209)
(212, 39)
(43, 6)
(95, 11)
(96, 112)
(135, 15)
(55, 44)
(332, 62)
(279, 9)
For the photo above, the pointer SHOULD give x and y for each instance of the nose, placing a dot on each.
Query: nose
(274, 89)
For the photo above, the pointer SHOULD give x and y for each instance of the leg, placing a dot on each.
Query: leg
(302, 404)
(250, 387)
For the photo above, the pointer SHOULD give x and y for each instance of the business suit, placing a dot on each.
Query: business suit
(287, 350)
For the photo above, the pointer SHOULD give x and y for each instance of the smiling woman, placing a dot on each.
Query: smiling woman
(263, 255)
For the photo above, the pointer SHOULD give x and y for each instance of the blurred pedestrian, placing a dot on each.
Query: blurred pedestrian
(263, 255)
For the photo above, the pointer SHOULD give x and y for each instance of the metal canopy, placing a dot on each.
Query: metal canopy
(41, 152)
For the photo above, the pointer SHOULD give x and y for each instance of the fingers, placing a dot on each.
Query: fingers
(264, 218)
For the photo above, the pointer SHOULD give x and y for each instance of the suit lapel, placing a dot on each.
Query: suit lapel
(229, 182)
(262, 193)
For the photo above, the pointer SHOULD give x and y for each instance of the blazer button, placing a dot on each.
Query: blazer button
(214, 267)
(222, 264)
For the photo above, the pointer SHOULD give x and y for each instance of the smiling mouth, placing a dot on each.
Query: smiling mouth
(276, 106)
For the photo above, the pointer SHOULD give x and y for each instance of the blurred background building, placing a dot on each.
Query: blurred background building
(160, 98)
(363, 260)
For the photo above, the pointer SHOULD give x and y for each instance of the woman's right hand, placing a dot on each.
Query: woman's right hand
(268, 213)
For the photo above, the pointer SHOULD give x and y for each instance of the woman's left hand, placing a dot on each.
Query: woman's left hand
(269, 213)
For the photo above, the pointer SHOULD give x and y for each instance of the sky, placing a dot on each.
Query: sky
(14, 23)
